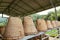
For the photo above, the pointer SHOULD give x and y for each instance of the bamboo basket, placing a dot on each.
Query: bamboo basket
(29, 26)
(58, 23)
(54, 23)
(41, 25)
(49, 25)
(2, 30)
(14, 29)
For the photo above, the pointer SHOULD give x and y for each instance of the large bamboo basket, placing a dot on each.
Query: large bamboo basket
(54, 23)
(49, 24)
(14, 29)
(29, 26)
(41, 25)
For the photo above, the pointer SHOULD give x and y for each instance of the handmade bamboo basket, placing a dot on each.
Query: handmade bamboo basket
(14, 29)
(41, 25)
(29, 26)
(58, 23)
(2, 30)
(49, 25)
(54, 23)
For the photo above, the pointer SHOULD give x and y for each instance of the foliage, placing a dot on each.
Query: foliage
(35, 17)
(3, 22)
(51, 16)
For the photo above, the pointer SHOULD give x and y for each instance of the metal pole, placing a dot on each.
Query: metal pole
(54, 6)
(56, 17)
(2, 15)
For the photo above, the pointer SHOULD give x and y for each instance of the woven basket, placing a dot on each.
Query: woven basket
(14, 29)
(41, 25)
(29, 26)
(54, 23)
(58, 23)
(49, 25)
(2, 30)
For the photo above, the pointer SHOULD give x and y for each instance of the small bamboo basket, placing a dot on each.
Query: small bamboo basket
(49, 24)
(2, 30)
(54, 23)
(41, 25)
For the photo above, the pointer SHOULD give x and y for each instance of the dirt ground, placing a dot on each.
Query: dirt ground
(51, 38)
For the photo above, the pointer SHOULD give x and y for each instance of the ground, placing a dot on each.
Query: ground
(51, 38)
